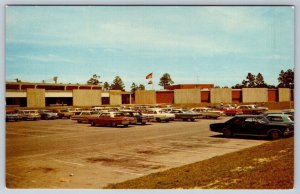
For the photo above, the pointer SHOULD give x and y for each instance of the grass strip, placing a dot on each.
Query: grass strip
(267, 166)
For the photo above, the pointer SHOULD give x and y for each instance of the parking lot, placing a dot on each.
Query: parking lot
(64, 154)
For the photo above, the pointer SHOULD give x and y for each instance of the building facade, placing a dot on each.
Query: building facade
(42, 95)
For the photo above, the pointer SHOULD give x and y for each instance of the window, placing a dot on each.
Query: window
(275, 118)
(250, 120)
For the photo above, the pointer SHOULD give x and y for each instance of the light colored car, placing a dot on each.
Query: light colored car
(206, 112)
(186, 115)
(29, 114)
(158, 115)
(169, 115)
(48, 114)
(280, 118)
(63, 113)
(84, 116)
(12, 116)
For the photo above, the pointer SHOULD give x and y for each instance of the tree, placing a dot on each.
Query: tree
(252, 81)
(259, 81)
(286, 79)
(106, 86)
(134, 87)
(166, 80)
(249, 82)
(237, 86)
(117, 84)
(141, 87)
(94, 80)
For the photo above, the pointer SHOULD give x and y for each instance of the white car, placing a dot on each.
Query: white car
(29, 114)
(158, 115)
(208, 112)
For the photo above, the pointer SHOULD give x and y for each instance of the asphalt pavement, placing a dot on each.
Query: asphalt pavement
(65, 154)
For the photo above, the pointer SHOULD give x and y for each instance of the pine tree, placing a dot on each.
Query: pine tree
(286, 79)
(106, 86)
(94, 80)
(166, 80)
(117, 84)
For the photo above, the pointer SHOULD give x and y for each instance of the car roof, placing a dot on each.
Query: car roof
(249, 116)
(279, 114)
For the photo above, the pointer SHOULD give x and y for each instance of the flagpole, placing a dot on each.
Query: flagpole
(152, 82)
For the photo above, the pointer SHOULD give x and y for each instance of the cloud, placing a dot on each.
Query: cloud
(114, 33)
(49, 58)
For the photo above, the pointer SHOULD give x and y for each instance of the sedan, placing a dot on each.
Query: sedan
(253, 125)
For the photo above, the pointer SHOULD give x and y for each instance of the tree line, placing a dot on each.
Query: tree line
(118, 84)
(285, 80)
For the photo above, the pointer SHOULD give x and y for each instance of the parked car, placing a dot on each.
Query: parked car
(111, 119)
(29, 114)
(208, 113)
(74, 110)
(253, 125)
(288, 111)
(48, 114)
(142, 119)
(231, 110)
(156, 115)
(84, 116)
(185, 115)
(12, 116)
(280, 117)
(170, 116)
(252, 109)
(64, 113)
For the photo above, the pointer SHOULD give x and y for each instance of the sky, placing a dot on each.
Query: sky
(194, 44)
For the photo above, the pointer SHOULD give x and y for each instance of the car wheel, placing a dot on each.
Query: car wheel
(274, 135)
(185, 119)
(143, 123)
(227, 133)
(126, 125)
(192, 120)
(93, 123)
(158, 120)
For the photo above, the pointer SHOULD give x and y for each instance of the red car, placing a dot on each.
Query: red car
(232, 112)
(112, 119)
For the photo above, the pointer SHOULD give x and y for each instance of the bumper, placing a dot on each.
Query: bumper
(125, 122)
(288, 133)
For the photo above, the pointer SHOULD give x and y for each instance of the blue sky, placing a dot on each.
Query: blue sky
(194, 44)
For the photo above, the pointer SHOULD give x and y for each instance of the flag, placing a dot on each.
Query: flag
(150, 82)
(149, 76)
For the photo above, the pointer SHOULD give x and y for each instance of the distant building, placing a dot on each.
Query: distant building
(189, 86)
